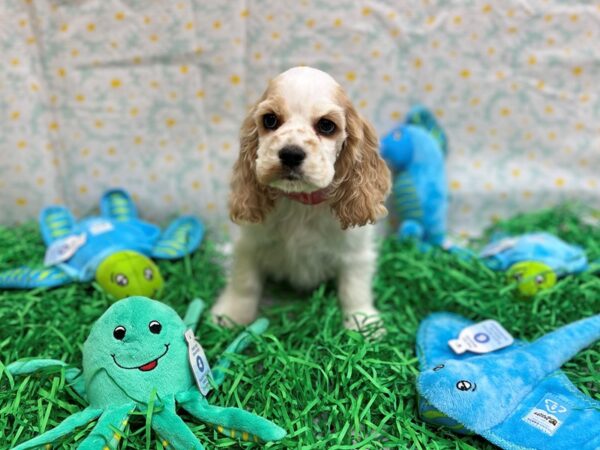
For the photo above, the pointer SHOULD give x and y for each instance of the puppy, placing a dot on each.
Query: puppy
(307, 187)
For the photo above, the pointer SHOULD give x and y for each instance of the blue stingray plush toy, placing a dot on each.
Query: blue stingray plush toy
(515, 396)
(415, 151)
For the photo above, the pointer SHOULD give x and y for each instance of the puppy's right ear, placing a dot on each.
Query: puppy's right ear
(249, 201)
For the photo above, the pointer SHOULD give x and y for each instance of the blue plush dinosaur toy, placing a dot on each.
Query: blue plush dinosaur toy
(114, 247)
(415, 151)
(516, 397)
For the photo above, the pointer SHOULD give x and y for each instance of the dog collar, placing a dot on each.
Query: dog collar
(308, 198)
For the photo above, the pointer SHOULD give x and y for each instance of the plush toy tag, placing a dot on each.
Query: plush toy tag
(198, 363)
(100, 227)
(62, 249)
(483, 337)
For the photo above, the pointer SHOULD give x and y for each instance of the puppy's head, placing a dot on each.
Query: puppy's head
(302, 136)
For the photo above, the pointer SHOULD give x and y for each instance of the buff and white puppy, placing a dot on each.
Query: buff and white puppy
(307, 187)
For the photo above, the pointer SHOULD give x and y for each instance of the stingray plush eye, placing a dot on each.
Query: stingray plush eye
(438, 367)
(326, 127)
(270, 121)
(121, 279)
(119, 333)
(464, 385)
(155, 327)
(539, 279)
(148, 274)
(518, 277)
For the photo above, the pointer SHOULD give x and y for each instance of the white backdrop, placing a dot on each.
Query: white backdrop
(149, 95)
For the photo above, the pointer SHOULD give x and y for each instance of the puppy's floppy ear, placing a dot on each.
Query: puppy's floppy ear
(249, 201)
(362, 179)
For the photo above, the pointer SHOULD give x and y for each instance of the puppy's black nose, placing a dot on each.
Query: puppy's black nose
(291, 156)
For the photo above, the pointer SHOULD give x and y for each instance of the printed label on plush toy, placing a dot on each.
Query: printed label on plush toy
(62, 249)
(198, 363)
(100, 227)
(548, 415)
(483, 337)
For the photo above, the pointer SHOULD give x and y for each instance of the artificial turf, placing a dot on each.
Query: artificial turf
(329, 388)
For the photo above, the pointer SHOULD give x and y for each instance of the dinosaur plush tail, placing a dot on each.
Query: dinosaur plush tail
(422, 117)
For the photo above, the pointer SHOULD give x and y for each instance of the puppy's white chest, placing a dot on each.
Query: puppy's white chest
(300, 244)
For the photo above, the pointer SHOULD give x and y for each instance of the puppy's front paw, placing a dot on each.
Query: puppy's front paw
(230, 310)
(365, 320)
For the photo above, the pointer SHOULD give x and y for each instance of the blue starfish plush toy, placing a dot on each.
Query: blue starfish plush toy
(114, 247)
(516, 397)
(415, 151)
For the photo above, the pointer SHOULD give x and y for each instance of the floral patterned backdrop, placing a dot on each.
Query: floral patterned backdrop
(149, 95)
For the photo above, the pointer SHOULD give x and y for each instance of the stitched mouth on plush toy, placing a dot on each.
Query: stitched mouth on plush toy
(151, 365)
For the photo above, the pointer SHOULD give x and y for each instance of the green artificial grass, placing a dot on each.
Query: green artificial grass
(329, 388)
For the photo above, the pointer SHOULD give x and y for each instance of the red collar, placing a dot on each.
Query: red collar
(308, 198)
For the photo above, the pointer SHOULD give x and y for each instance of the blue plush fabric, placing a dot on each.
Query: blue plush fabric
(117, 228)
(563, 258)
(415, 151)
(513, 390)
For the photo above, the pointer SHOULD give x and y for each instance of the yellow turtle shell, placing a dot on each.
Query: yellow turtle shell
(127, 273)
(531, 277)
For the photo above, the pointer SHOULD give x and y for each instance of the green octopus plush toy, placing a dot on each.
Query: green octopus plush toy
(141, 356)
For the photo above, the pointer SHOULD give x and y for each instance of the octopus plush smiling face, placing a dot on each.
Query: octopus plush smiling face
(137, 346)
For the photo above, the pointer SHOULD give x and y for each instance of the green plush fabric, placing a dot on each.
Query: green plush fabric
(136, 358)
(328, 387)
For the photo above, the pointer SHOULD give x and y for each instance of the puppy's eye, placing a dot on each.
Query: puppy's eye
(326, 127)
(270, 121)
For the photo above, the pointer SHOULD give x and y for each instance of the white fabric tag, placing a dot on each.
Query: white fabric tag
(483, 337)
(62, 249)
(198, 363)
(100, 226)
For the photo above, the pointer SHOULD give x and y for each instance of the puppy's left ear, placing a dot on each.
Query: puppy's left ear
(362, 179)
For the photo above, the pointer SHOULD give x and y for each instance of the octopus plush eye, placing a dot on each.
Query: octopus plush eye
(148, 274)
(119, 333)
(270, 121)
(326, 127)
(121, 279)
(155, 327)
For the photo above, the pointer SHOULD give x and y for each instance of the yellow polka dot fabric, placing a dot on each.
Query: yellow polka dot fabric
(150, 96)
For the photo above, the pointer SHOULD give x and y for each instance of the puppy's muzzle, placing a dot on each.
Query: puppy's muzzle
(291, 156)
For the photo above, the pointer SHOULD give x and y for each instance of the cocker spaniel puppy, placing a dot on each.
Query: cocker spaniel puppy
(307, 187)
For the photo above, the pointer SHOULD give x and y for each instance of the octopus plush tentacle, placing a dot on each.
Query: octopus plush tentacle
(173, 431)
(109, 429)
(29, 278)
(181, 237)
(238, 345)
(55, 222)
(193, 313)
(233, 422)
(72, 374)
(117, 204)
(67, 426)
